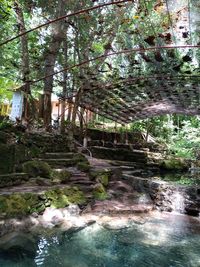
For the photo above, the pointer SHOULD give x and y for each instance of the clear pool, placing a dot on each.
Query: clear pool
(165, 241)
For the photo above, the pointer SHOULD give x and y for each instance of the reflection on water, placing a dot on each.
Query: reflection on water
(170, 241)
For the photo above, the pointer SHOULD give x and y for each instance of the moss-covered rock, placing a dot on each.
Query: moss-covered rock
(12, 179)
(21, 204)
(37, 168)
(82, 162)
(43, 181)
(79, 158)
(101, 176)
(83, 166)
(62, 176)
(103, 179)
(99, 192)
(18, 204)
(174, 164)
(60, 198)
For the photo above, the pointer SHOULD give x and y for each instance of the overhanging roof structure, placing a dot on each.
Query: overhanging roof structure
(160, 81)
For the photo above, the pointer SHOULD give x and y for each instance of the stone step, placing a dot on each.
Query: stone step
(127, 168)
(125, 163)
(12, 179)
(83, 187)
(59, 155)
(116, 207)
(119, 154)
(74, 179)
(81, 181)
(120, 186)
(59, 162)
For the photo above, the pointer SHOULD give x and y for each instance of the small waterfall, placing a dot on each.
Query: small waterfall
(178, 202)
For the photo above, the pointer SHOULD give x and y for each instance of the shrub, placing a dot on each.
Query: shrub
(37, 168)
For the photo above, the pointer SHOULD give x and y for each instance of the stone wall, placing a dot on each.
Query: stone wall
(18, 147)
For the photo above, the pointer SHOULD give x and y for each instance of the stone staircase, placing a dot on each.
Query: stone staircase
(66, 161)
(59, 159)
(121, 196)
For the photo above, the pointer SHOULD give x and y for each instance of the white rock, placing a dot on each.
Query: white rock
(71, 210)
(53, 216)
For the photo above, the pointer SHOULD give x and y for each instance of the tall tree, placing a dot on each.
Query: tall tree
(51, 54)
(24, 54)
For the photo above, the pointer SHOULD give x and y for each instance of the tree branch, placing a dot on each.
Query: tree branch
(64, 17)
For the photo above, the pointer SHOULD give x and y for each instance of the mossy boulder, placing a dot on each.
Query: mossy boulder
(99, 192)
(35, 168)
(79, 158)
(174, 164)
(61, 176)
(19, 204)
(22, 204)
(60, 198)
(12, 179)
(83, 166)
(43, 181)
(104, 179)
(101, 176)
(82, 162)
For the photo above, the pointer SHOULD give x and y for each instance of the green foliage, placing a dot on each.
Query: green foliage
(99, 192)
(79, 158)
(37, 168)
(186, 141)
(6, 125)
(182, 179)
(6, 86)
(83, 166)
(175, 164)
(101, 176)
(62, 176)
(179, 132)
(21, 204)
(60, 198)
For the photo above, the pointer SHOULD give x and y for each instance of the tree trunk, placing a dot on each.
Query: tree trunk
(64, 92)
(50, 59)
(69, 110)
(24, 56)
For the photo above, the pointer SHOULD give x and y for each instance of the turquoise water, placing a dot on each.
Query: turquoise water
(171, 241)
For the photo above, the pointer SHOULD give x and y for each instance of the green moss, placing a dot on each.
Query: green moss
(174, 164)
(24, 204)
(101, 176)
(75, 195)
(60, 198)
(99, 192)
(62, 176)
(43, 181)
(18, 204)
(80, 158)
(83, 166)
(37, 168)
